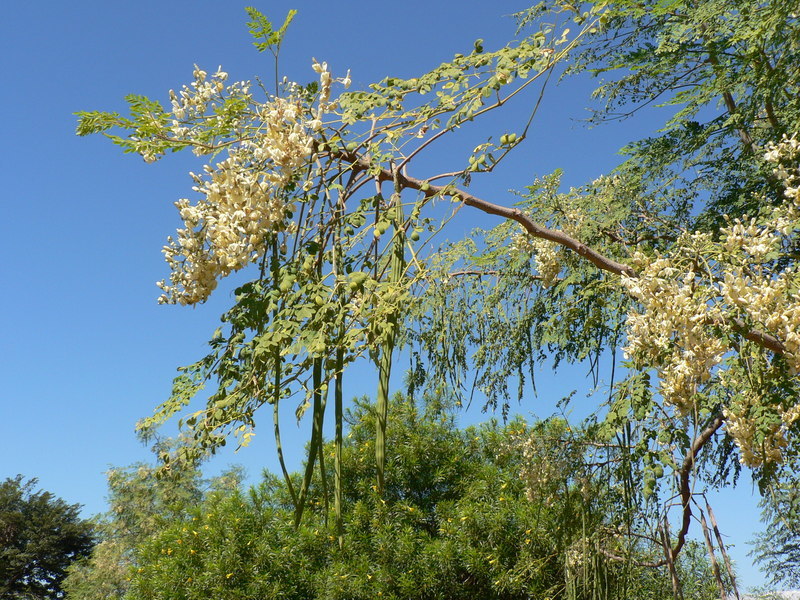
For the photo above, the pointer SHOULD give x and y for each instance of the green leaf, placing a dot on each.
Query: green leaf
(260, 27)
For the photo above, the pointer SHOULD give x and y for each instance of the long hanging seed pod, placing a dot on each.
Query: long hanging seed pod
(712, 557)
(397, 267)
(277, 431)
(324, 479)
(276, 391)
(316, 438)
(338, 392)
(338, 407)
(721, 544)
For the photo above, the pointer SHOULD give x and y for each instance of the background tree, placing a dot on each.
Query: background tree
(40, 536)
(455, 522)
(140, 504)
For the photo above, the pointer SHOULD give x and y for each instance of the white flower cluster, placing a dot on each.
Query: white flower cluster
(244, 196)
(193, 101)
(743, 427)
(675, 330)
(223, 232)
(546, 256)
(540, 470)
(672, 332)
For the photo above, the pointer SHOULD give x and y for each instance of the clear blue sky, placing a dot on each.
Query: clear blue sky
(86, 351)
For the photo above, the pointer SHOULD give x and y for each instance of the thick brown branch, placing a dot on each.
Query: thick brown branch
(601, 261)
(763, 339)
(684, 474)
(554, 235)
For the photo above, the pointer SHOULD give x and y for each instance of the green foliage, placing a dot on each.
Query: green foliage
(261, 28)
(455, 522)
(333, 285)
(489, 316)
(300, 197)
(140, 504)
(724, 76)
(40, 537)
(777, 549)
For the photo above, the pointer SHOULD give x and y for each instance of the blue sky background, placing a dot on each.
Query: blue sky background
(85, 350)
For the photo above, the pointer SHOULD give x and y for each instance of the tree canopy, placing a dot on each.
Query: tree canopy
(684, 259)
(141, 504)
(40, 536)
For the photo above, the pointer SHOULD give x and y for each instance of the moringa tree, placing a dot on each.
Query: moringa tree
(685, 257)
(314, 192)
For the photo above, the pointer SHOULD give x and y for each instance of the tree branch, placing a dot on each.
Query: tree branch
(684, 487)
(605, 263)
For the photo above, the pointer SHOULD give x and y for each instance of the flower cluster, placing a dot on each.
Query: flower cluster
(758, 441)
(671, 332)
(708, 284)
(546, 256)
(245, 197)
(547, 463)
(193, 101)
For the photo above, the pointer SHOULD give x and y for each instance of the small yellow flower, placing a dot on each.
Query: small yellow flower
(229, 575)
